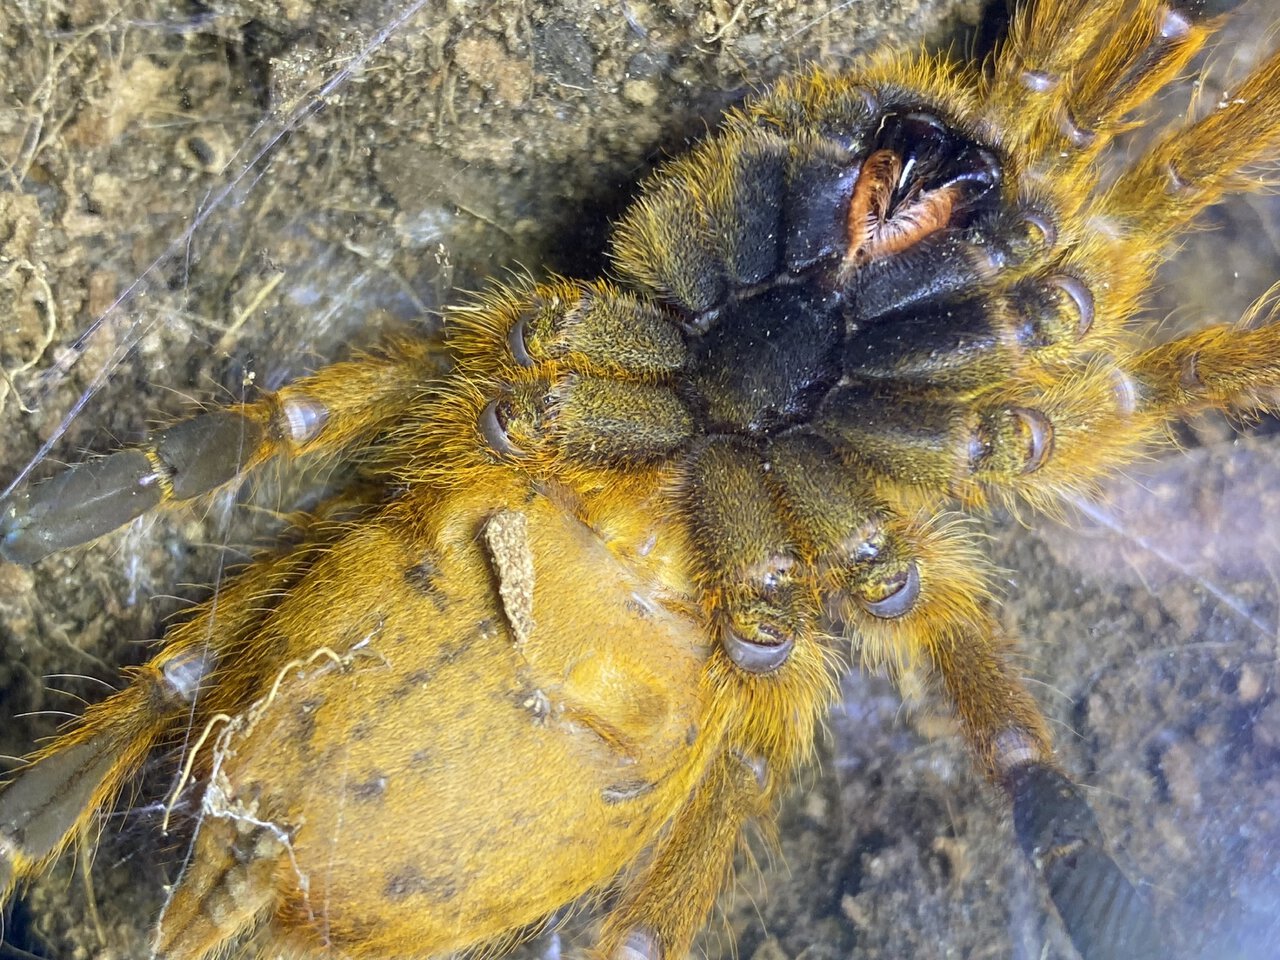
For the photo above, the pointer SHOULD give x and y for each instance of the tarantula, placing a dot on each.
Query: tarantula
(601, 565)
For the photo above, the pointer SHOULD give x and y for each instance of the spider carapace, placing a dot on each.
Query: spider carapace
(580, 610)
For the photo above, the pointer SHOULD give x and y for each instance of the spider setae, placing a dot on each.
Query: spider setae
(581, 606)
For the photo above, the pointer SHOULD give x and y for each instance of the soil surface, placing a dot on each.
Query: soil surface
(199, 200)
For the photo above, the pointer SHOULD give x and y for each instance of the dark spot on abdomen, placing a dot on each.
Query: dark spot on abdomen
(371, 789)
(423, 578)
(412, 681)
(422, 758)
(409, 881)
(406, 882)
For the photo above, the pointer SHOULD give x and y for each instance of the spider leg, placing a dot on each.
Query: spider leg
(1223, 366)
(1045, 43)
(232, 867)
(1107, 917)
(661, 907)
(567, 379)
(1082, 428)
(64, 786)
(1025, 441)
(1191, 168)
(1069, 75)
(56, 795)
(338, 408)
(960, 646)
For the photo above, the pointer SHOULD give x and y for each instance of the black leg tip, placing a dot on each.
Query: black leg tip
(1105, 915)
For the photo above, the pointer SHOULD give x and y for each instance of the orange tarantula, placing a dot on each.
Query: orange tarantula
(602, 564)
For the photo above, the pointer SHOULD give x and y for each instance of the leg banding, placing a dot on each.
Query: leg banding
(343, 406)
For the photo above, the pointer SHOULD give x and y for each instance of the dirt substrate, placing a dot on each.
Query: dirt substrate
(203, 200)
